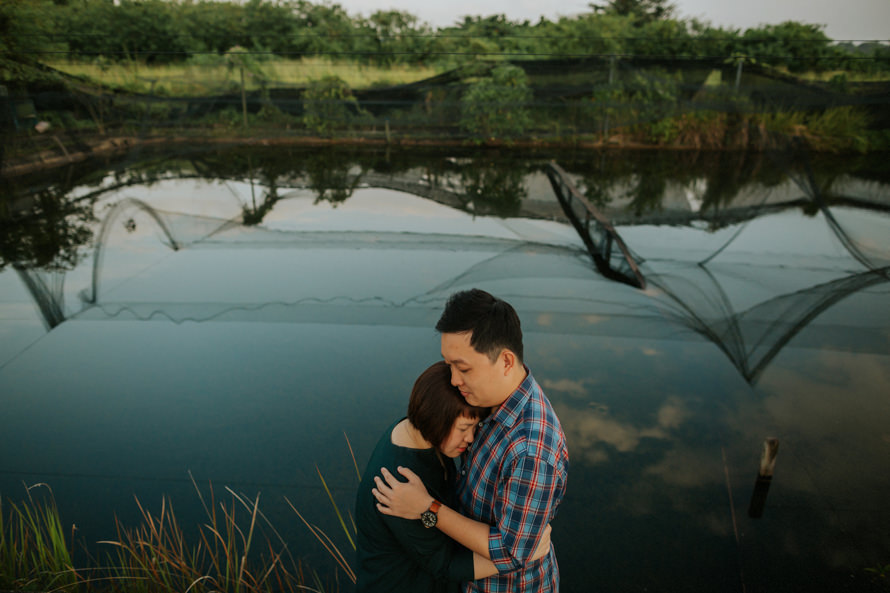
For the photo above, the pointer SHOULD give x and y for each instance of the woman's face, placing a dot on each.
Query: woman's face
(460, 437)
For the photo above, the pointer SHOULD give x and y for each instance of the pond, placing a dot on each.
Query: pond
(251, 318)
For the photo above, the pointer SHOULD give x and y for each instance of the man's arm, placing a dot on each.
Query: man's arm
(524, 505)
(485, 568)
(409, 499)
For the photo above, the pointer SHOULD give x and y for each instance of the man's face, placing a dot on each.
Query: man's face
(481, 381)
(460, 437)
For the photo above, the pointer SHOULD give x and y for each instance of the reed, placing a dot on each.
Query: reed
(349, 530)
(34, 553)
(839, 128)
(237, 550)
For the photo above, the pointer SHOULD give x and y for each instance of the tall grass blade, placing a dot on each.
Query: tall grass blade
(336, 508)
(326, 542)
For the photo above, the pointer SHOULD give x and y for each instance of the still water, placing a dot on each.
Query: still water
(242, 318)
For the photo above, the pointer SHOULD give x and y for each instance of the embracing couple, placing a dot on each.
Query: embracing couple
(459, 495)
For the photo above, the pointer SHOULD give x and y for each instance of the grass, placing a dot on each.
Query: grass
(211, 74)
(851, 76)
(237, 550)
(33, 547)
(350, 530)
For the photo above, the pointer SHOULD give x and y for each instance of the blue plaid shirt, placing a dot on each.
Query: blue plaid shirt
(514, 479)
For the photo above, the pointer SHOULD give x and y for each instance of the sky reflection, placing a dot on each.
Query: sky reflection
(244, 354)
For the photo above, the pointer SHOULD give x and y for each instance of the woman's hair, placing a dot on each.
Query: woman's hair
(493, 322)
(435, 404)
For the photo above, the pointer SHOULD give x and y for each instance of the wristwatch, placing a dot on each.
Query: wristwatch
(430, 516)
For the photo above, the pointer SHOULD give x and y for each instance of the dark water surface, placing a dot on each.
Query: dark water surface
(235, 316)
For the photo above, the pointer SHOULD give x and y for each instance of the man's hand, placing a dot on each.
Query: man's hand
(401, 499)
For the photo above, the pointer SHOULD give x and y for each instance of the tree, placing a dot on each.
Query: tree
(396, 36)
(798, 46)
(328, 104)
(25, 32)
(643, 11)
(493, 186)
(496, 106)
(590, 34)
(51, 234)
(147, 30)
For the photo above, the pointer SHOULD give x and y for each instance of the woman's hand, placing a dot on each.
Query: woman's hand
(544, 545)
(402, 499)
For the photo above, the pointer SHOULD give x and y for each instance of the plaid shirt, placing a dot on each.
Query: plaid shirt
(513, 480)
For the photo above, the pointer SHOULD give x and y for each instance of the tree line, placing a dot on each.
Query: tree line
(170, 31)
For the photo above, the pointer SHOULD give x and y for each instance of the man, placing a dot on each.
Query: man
(515, 475)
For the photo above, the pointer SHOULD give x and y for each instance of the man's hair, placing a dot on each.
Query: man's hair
(494, 322)
(435, 404)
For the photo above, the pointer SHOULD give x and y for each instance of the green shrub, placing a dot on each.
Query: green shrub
(636, 104)
(497, 106)
(839, 128)
(328, 105)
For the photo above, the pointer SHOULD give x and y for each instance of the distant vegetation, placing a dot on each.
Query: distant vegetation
(168, 32)
(624, 71)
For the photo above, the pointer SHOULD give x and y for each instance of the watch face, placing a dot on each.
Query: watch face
(428, 518)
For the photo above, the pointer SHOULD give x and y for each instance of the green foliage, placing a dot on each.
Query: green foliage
(879, 571)
(636, 102)
(26, 29)
(164, 31)
(227, 118)
(238, 58)
(643, 11)
(332, 183)
(270, 114)
(797, 46)
(147, 30)
(493, 186)
(215, 40)
(328, 105)
(660, 37)
(394, 36)
(497, 106)
(718, 118)
(51, 234)
(839, 129)
(597, 35)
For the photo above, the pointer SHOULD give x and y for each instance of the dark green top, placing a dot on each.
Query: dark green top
(399, 554)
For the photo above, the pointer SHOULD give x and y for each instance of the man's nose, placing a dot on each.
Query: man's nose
(455, 378)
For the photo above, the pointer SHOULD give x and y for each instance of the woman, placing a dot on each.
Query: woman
(402, 555)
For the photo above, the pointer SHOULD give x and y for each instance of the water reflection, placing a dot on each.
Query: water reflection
(225, 314)
(701, 293)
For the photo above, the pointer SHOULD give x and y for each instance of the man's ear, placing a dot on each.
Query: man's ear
(509, 359)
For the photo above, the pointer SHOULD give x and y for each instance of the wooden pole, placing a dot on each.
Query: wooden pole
(243, 98)
(764, 477)
(611, 82)
(768, 457)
